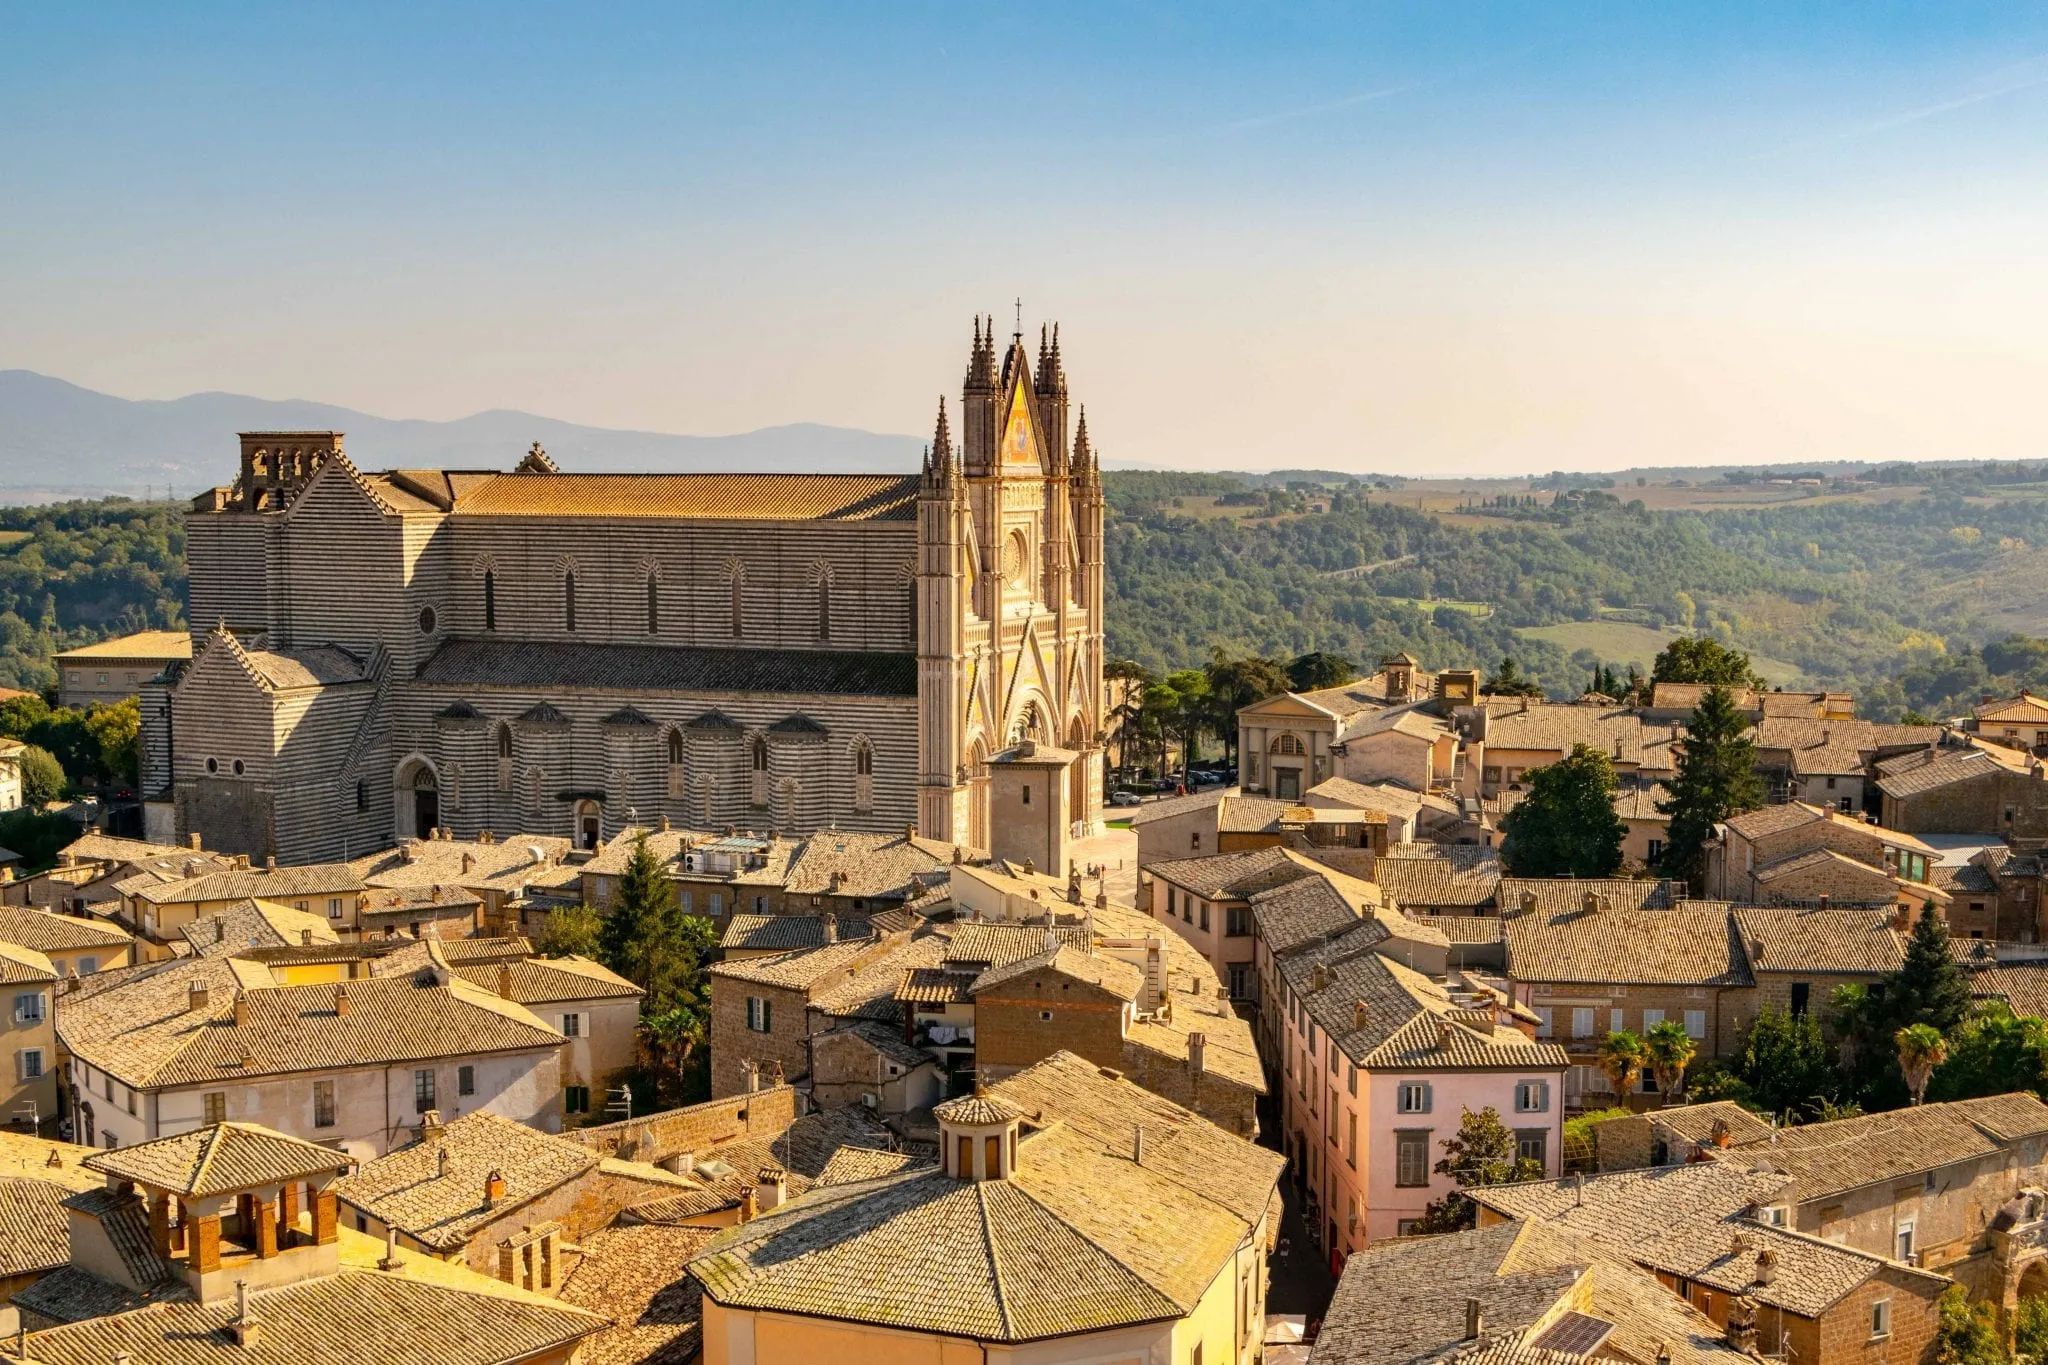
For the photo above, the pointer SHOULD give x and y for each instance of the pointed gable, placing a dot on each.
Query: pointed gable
(1021, 445)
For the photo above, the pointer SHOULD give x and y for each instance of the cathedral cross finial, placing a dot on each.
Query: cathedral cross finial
(1019, 333)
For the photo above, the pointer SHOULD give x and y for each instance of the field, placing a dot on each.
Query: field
(10, 539)
(1620, 643)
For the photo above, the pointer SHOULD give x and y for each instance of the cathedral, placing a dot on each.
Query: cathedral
(380, 655)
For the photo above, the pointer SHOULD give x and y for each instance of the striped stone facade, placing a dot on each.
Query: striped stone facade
(377, 654)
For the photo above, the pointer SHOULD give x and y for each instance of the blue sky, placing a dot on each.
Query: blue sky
(1397, 237)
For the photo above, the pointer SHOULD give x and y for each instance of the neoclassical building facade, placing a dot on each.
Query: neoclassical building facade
(378, 655)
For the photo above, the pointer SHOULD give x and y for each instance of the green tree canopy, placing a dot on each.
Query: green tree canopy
(1967, 1333)
(1482, 1152)
(1703, 659)
(572, 931)
(1235, 683)
(1566, 825)
(1929, 987)
(1787, 1065)
(42, 777)
(1994, 1052)
(1671, 1050)
(1508, 681)
(1316, 670)
(1716, 778)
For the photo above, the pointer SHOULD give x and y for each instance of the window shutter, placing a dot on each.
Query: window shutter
(1543, 1097)
(1428, 1097)
(767, 1016)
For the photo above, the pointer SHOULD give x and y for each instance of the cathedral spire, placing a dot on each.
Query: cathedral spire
(1055, 374)
(942, 441)
(1084, 458)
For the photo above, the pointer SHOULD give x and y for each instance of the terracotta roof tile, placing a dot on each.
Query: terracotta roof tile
(1812, 940)
(1691, 944)
(409, 1188)
(219, 1159)
(47, 932)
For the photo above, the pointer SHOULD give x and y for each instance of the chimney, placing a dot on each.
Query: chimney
(1359, 1014)
(1475, 1320)
(431, 1126)
(305, 938)
(390, 1261)
(220, 930)
(1590, 903)
(828, 924)
(664, 824)
(1198, 1042)
(193, 867)
(909, 833)
(341, 1002)
(1766, 1266)
(468, 862)
(245, 1329)
(241, 1009)
(1528, 902)
(196, 996)
(749, 1209)
(440, 1161)
(1823, 900)
(774, 1188)
(1578, 1189)
(505, 980)
(753, 1071)
(1723, 1136)
(1138, 1145)
(494, 1189)
(270, 862)
(1318, 977)
(192, 842)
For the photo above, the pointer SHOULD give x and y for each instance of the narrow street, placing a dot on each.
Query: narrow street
(1300, 1275)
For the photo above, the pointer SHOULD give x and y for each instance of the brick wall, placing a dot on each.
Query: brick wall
(1010, 1030)
(764, 1114)
(733, 1043)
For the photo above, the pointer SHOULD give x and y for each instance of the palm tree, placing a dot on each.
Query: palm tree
(1850, 1010)
(1670, 1050)
(1921, 1049)
(1621, 1060)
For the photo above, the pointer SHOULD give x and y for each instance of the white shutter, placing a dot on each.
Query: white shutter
(1696, 1024)
(1652, 1018)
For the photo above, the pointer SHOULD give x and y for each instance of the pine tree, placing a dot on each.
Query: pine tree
(634, 923)
(1716, 778)
(1566, 825)
(1928, 987)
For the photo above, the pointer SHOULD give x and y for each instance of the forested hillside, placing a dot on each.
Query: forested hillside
(73, 573)
(1913, 601)
(1894, 599)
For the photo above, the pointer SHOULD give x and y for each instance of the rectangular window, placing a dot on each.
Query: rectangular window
(1237, 923)
(1027, 793)
(717, 904)
(28, 1008)
(1204, 926)
(216, 1106)
(323, 1104)
(572, 1026)
(1881, 1318)
(1533, 1144)
(1240, 980)
(1351, 1138)
(1656, 849)
(1696, 1024)
(1582, 1022)
(1351, 1078)
(576, 1099)
(1802, 993)
(334, 907)
(760, 1015)
(423, 1089)
(1614, 1024)
(1543, 1021)
(465, 1080)
(1411, 1157)
(28, 1064)
(1413, 1097)
(1172, 902)
(88, 965)
(1652, 1018)
(1904, 1248)
(1532, 1097)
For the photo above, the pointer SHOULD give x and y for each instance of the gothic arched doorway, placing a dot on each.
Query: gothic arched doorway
(589, 824)
(418, 807)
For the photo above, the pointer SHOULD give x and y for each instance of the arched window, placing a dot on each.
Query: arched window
(736, 584)
(1289, 746)
(504, 757)
(863, 775)
(757, 793)
(653, 605)
(675, 763)
(824, 608)
(490, 600)
(569, 599)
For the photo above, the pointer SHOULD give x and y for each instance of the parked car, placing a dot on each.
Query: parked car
(1126, 799)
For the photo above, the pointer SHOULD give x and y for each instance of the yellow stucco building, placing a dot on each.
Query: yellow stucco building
(1074, 1217)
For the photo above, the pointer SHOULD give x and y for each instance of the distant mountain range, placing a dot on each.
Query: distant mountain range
(57, 438)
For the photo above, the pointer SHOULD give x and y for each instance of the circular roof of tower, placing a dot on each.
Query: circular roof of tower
(977, 1111)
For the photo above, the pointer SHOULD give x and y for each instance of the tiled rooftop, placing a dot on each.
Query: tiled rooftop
(219, 1159)
(409, 1189)
(1691, 944)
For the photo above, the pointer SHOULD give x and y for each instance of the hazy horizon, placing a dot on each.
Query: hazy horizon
(1399, 239)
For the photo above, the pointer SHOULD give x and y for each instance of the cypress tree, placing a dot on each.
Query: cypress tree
(1716, 778)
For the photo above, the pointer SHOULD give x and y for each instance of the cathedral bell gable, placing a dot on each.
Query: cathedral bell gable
(1022, 447)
